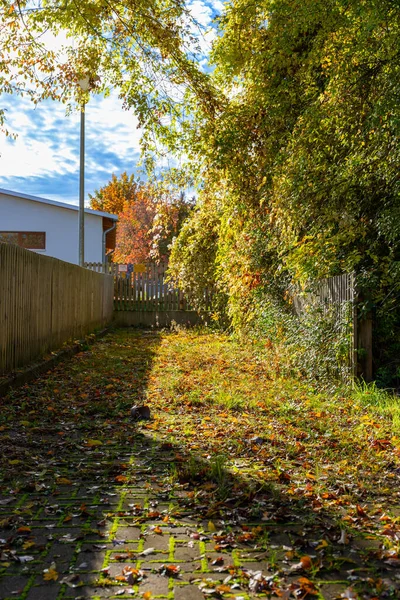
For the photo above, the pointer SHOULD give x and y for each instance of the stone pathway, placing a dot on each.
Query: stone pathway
(97, 538)
(91, 506)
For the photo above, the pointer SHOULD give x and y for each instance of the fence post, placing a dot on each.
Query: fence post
(364, 343)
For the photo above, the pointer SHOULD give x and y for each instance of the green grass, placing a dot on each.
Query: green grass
(381, 403)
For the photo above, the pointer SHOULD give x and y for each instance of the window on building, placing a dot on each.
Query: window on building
(31, 240)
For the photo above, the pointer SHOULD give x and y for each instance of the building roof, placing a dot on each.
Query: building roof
(58, 204)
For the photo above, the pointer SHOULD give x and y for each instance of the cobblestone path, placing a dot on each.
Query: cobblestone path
(89, 506)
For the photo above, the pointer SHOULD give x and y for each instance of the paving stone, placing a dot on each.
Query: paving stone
(158, 542)
(88, 562)
(127, 533)
(176, 531)
(185, 592)
(255, 566)
(10, 585)
(44, 592)
(95, 547)
(156, 584)
(60, 553)
(332, 591)
(125, 547)
(197, 573)
(88, 592)
(185, 553)
(157, 564)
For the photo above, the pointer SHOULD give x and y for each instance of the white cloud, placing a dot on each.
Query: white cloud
(31, 154)
(201, 12)
(111, 126)
(48, 140)
(218, 6)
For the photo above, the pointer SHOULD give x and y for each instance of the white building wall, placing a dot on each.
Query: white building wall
(60, 225)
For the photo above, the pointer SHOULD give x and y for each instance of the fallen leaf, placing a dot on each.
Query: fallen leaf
(92, 443)
(361, 512)
(223, 589)
(6, 501)
(306, 562)
(50, 575)
(64, 481)
(147, 552)
(23, 529)
(121, 478)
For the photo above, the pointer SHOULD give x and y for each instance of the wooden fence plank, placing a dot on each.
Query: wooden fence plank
(45, 302)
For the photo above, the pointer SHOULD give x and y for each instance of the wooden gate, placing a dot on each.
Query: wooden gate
(145, 288)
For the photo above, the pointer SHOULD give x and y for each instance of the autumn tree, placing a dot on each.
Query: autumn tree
(150, 217)
(134, 229)
(113, 197)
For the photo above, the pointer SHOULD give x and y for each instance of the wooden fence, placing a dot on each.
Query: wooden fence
(108, 268)
(143, 288)
(339, 297)
(332, 293)
(45, 302)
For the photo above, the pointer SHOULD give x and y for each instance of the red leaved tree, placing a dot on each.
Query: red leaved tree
(150, 216)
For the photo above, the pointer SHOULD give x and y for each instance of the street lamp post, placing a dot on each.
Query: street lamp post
(84, 85)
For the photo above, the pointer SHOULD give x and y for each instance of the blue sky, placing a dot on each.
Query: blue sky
(44, 159)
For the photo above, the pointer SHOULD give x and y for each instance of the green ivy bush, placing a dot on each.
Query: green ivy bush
(316, 345)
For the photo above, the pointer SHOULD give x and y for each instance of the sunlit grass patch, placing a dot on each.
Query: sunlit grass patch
(230, 400)
(381, 403)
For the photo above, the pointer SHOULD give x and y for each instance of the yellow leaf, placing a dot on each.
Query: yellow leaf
(223, 589)
(211, 526)
(25, 423)
(92, 443)
(50, 575)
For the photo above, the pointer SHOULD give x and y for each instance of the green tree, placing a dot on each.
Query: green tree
(303, 155)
